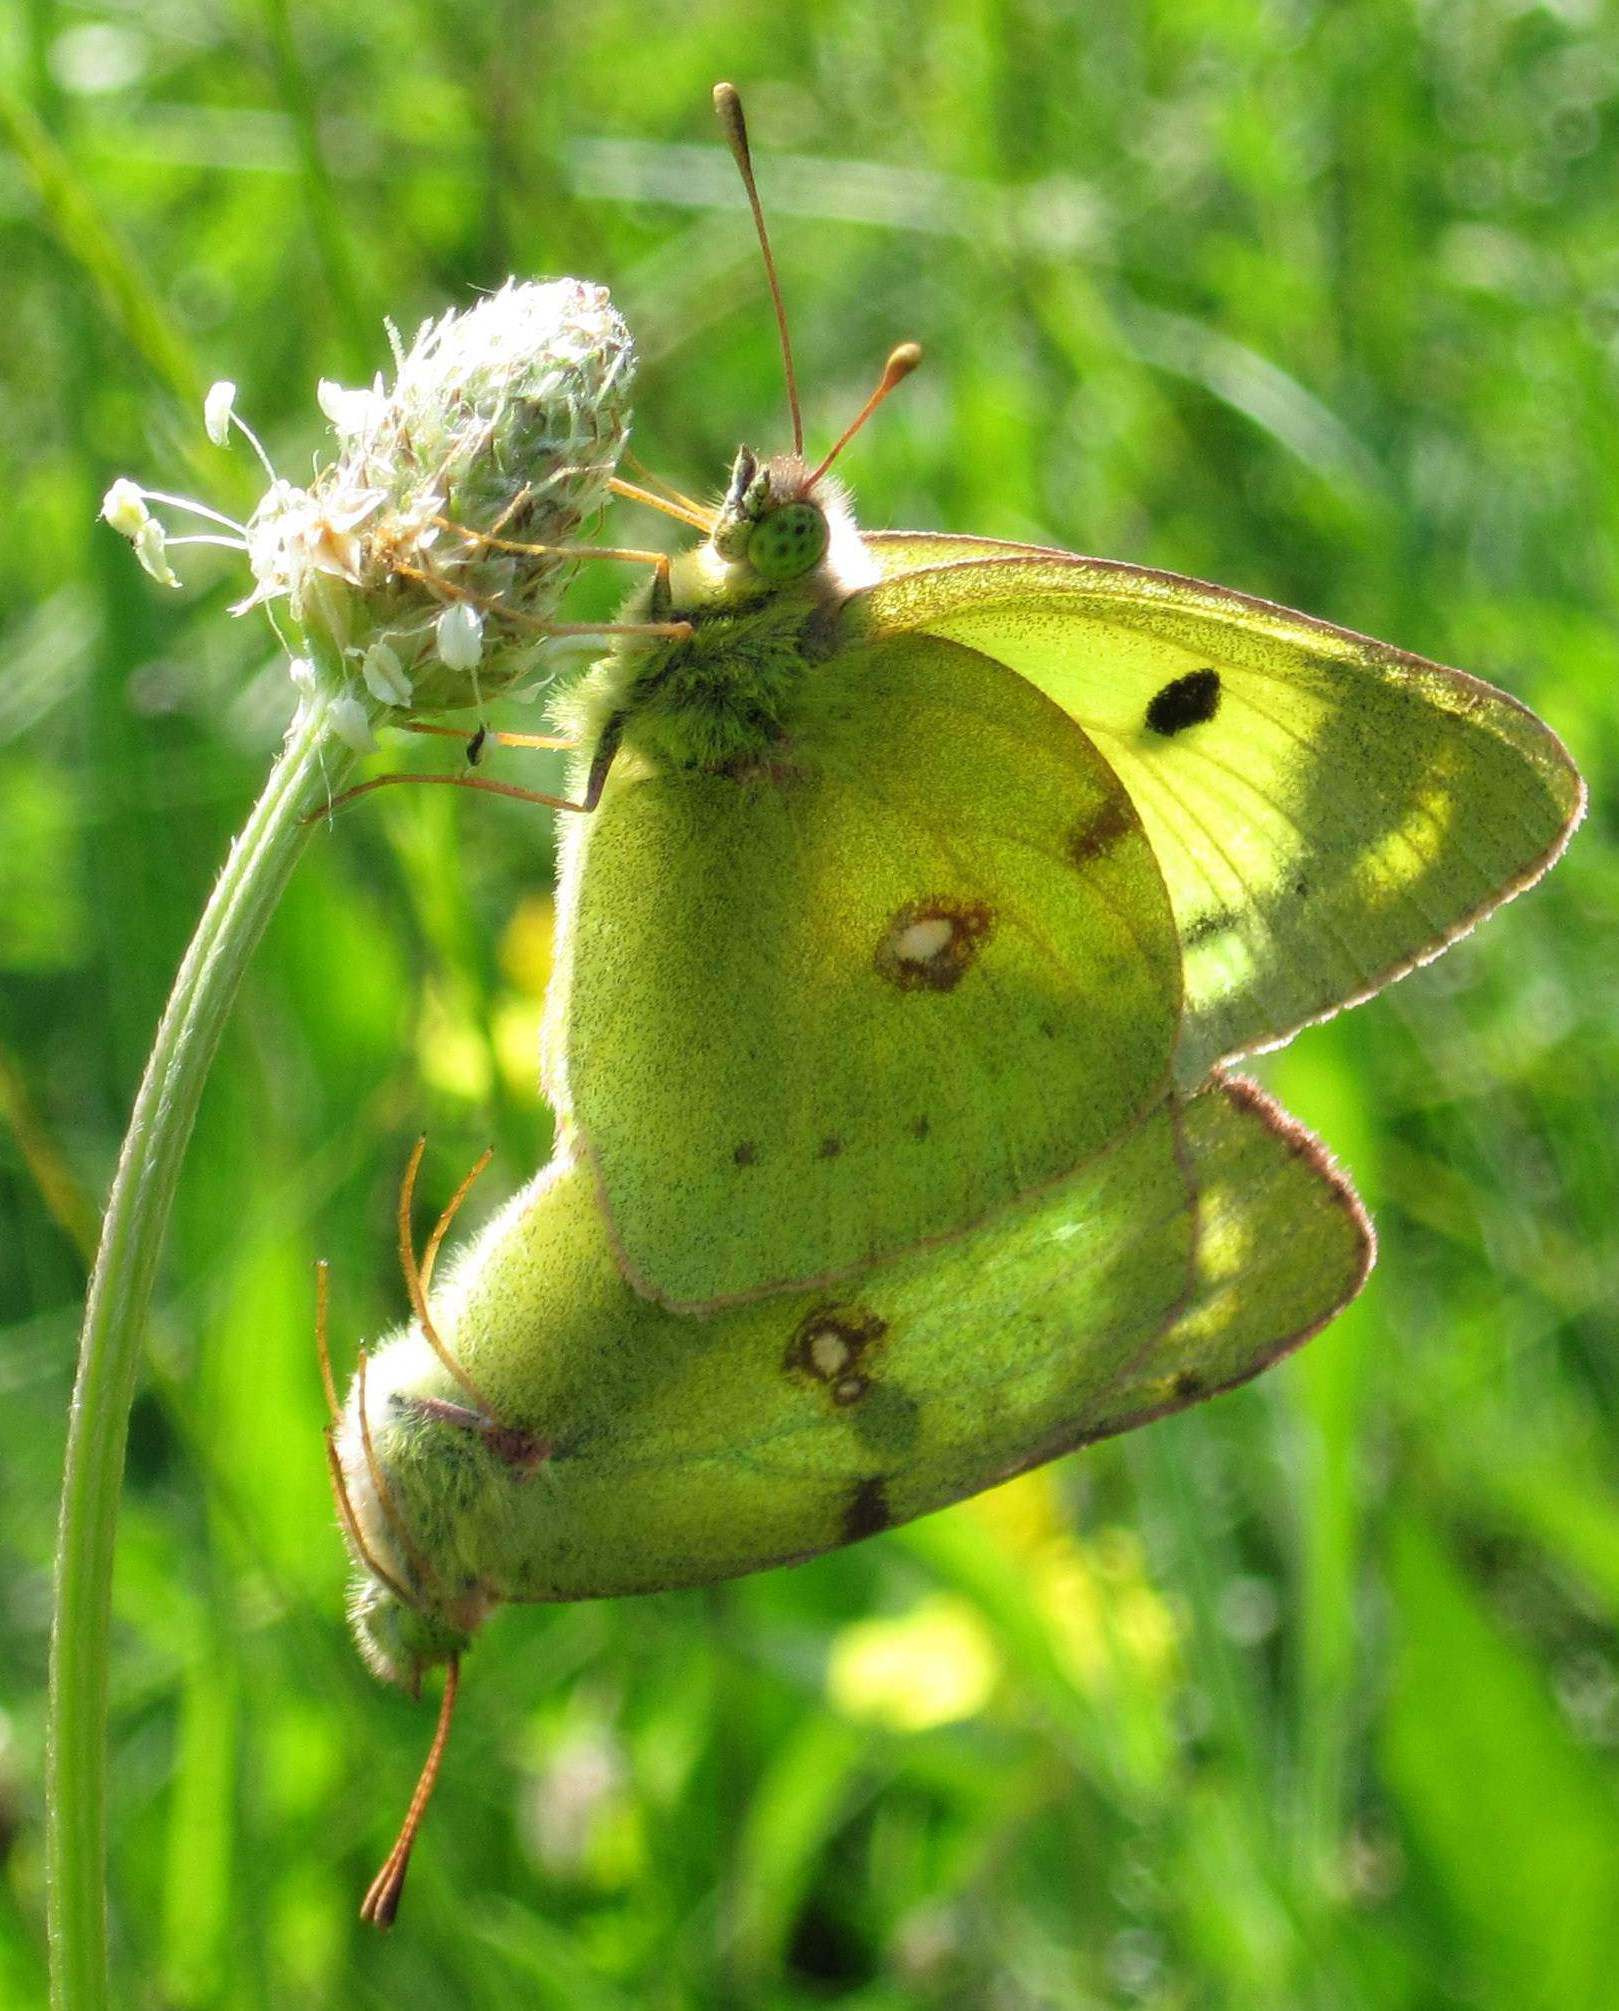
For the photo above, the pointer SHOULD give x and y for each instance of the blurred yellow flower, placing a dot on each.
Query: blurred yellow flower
(450, 1051)
(525, 949)
(932, 1666)
(1108, 1625)
(516, 1034)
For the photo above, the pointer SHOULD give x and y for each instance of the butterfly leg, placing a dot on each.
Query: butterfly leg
(345, 1506)
(601, 761)
(476, 742)
(419, 1277)
(484, 782)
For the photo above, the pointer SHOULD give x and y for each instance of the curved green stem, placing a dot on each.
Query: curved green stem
(310, 767)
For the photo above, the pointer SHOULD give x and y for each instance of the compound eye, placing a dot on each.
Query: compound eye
(789, 542)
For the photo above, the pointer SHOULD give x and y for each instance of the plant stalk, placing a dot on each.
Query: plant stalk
(310, 768)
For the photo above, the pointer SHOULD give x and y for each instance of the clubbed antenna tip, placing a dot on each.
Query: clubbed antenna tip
(728, 107)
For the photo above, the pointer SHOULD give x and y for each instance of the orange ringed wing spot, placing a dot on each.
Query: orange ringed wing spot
(830, 1347)
(932, 943)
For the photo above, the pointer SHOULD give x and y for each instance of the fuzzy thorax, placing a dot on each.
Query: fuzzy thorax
(728, 695)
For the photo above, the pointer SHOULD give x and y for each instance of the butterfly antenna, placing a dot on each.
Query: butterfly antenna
(895, 371)
(416, 1285)
(381, 1903)
(729, 107)
(452, 1209)
(323, 1295)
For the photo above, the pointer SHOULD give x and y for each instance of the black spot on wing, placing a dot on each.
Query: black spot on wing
(746, 1153)
(867, 1511)
(829, 1147)
(1089, 839)
(1208, 925)
(1186, 701)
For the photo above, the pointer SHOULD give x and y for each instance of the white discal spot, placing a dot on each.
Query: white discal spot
(920, 942)
(849, 1389)
(829, 1352)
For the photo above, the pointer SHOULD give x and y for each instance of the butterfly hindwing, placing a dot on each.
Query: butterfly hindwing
(920, 964)
(1203, 1245)
(1283, 1245)
(688, 1450)
(1327, 811)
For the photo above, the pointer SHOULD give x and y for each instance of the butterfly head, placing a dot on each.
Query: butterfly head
(781, 517)
(411, 1606)
(771, 519)
(398, 1639)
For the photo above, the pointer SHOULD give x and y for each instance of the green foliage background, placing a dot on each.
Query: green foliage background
(1310, 1698)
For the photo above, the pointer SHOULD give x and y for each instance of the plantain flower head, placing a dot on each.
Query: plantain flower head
(425, 557)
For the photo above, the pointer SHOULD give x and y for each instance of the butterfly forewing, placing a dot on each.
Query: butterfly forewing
(1326, 811)
(920, 964)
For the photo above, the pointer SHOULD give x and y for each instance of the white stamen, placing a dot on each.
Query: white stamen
(124, 507)
(194, 509)
(255, 443)
(216, 411)
(150, 549)
(384, 675)
(350, 724)
(460, 637)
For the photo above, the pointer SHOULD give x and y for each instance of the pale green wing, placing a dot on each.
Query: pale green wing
(920, 966)
(681, 1451)
(1327, 811)
(1205, 1244)
(909, 551)
(1283, 1246)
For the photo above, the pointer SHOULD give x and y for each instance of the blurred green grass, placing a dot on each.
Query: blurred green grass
(1308, 1699)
